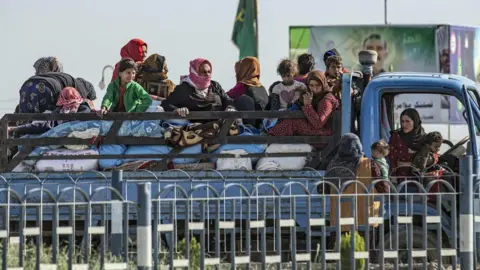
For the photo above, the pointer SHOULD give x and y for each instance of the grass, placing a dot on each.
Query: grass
(29, 257)
(62, 256)
(94, 258)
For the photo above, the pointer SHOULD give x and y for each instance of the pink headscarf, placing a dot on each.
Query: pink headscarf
(69, 99)
(198, 81)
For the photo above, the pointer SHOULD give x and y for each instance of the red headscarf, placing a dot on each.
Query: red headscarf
(133, 49)
(69, 99)
(200, 82)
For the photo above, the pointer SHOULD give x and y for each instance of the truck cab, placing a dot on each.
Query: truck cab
(375, 112)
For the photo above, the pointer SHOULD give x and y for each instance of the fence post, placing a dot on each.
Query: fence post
(466, 213)
(117, 215)
(144, 227)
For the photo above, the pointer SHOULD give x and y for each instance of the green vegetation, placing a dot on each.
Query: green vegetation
(94, 258)
(195, 250)
(345, 251)
(62, 262)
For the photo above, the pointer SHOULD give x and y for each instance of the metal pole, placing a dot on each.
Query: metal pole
(255, 2)
(144, 227)
(117, 215)
(385, 11)
(466, 213)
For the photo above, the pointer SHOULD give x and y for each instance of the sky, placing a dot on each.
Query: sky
(87, 35)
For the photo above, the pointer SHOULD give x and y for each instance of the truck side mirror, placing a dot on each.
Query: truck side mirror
(367, 58)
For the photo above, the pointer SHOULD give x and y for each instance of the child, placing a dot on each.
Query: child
(380, 150)
(283, 93)
(334, 73)
(123, 94)
(428, 154)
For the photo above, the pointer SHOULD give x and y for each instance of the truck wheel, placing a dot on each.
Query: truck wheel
(417, 245)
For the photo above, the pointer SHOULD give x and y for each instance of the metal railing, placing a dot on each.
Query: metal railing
(118, 119)
(265, 223)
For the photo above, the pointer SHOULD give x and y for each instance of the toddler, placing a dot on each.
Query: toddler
(283, 94)
(428, 154)
(380, 150)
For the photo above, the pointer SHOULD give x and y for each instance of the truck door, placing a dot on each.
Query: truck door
(472, 115)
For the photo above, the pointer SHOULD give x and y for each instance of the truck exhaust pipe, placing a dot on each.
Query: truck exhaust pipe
(367, 59)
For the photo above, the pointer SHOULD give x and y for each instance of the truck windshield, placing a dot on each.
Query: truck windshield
(440, 113)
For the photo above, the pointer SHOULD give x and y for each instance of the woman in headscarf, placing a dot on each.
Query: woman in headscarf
(350, 164)
(47, 64)
(69, 101)
(41, 66)
(249, 93)
(153, 77)
(404, 143)
(135, 49)
(198, 92)
(40, 93)
(318, 106)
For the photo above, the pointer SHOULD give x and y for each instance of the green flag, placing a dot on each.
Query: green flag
(244, 30)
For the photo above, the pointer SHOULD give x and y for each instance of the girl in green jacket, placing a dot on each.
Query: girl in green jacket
(125, 95)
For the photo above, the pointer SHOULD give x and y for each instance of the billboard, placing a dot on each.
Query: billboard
(462, 40)
(442, 48)
(476, 56)
(299, 41)
(462, 62)
(399, 48)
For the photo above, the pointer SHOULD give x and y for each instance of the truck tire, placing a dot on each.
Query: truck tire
(417, 245)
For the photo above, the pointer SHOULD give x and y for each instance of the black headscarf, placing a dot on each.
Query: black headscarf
(347, 159)
(414, 139)
(332, 52)
(86, 87)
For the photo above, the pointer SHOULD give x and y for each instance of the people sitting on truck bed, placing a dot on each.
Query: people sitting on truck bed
(39, 93)
(124, 94)
(282, 94)
(198, 92)
(404, 143)
(249, 94)
(69, 101)
(135, 49)
(349, 164)
(318, 106)
(306, 63)
(153, 77)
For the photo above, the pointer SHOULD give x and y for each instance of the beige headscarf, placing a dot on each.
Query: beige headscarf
(248, 71)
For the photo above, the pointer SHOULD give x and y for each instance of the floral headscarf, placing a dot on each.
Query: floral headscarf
(47, 64)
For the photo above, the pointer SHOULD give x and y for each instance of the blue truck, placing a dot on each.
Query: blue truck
(369, 115)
